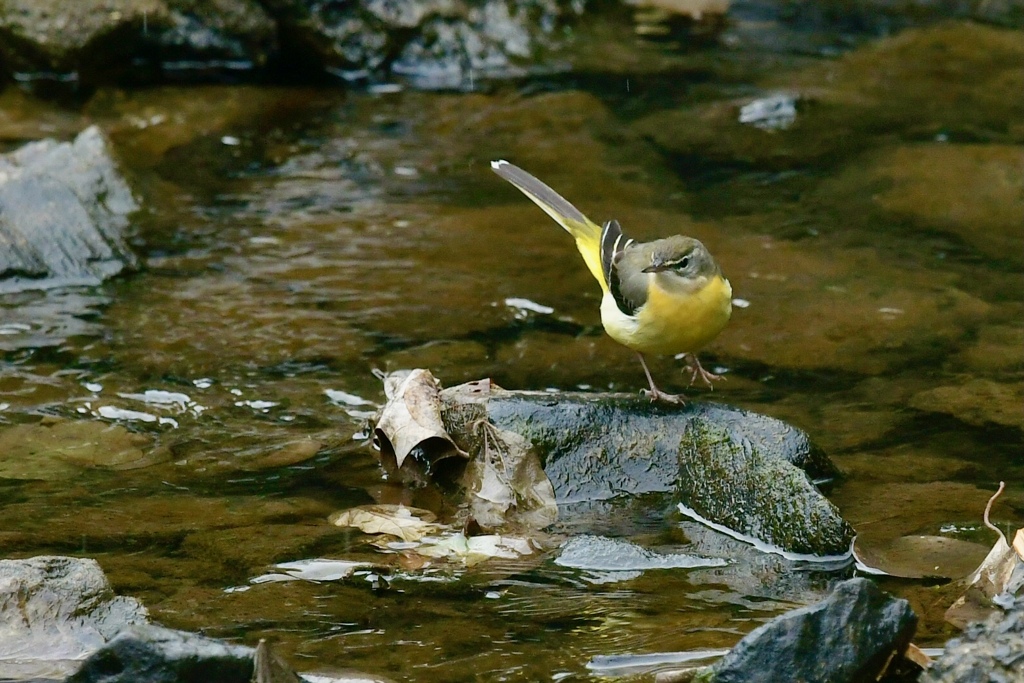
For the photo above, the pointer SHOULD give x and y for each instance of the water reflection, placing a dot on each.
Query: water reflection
(297, 240)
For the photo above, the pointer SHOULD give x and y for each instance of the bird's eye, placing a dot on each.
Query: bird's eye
(683, 263)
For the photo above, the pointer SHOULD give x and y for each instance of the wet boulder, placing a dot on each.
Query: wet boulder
(852, 635)
(64, 212)
(749, 473)
(54, 611)
(153, 654)
(746, 474)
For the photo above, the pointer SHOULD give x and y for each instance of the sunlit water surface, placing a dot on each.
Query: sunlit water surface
(295, 240)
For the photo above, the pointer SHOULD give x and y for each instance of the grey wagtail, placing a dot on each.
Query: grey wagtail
(664, 297)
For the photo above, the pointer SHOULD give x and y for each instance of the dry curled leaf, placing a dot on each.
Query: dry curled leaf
(411, 418)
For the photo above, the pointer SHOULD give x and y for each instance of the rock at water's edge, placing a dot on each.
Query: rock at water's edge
(153, 654)
(992, 650)
(849, 636)
(56, 610)
(64, 211)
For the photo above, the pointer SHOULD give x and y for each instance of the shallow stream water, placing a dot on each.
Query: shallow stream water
(296, 239)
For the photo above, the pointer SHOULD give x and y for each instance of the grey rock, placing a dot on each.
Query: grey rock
(154, 654)
(54, 611)
(432, 43)
(750, 473)
(988, 652)
(64, 211)
(849, 636)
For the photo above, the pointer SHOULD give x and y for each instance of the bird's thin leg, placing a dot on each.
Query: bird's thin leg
(655, 393)
(696, 370)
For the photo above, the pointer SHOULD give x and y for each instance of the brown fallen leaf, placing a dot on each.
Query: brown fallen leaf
(920, 557)
(917, 656)
(405, 523)
(507, 481)
(411, 418)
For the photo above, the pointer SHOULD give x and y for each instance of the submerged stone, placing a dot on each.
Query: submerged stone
(978, 402)
(848, 637)
(62, 449)
(846, 108)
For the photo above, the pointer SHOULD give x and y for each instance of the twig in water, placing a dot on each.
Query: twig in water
(988, 509)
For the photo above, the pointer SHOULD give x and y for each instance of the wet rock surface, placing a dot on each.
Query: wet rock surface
(432, 44)
(992, 650)
(54, 611)
(154, 654)
(110, 40)
(850, 636)
(65, 209)
(746, 472)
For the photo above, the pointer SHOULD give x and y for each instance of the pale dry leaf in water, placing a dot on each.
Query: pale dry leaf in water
(471, 550)
(411, 418)
(405, 523)
(506, 481)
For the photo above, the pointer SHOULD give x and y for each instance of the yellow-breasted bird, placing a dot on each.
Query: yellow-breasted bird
(663, 297)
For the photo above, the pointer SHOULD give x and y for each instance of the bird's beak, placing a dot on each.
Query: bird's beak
(657, 265)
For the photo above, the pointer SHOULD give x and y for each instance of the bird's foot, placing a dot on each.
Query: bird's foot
(656, 394)
(696, 370)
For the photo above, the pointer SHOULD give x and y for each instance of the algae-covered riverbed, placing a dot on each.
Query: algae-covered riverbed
(294, 239)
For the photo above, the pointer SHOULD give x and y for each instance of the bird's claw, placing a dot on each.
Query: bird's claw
(658, 395)
(696, 370)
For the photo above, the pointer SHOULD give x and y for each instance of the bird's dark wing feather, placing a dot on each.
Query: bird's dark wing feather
(613, 246)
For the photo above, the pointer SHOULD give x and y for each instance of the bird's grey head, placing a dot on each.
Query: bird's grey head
(680, 257)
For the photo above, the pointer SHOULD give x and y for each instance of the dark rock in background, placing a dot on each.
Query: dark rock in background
(429, 44)
(436, 43)
(850, 636)
(433, 44)
(97, 41)
(54, 611)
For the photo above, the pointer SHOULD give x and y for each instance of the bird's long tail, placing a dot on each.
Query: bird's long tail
(585, 231)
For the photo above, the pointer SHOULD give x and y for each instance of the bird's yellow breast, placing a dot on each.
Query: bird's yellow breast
(671, 322)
